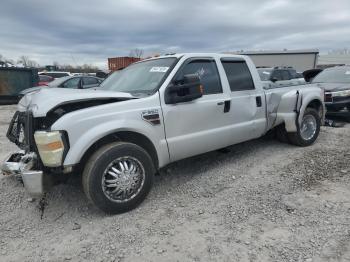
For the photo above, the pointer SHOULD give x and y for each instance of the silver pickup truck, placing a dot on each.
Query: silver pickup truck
(148, 115)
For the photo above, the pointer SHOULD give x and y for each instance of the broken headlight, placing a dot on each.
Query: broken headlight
(50, 147)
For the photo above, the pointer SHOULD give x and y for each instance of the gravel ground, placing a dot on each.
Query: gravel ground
(261, 201)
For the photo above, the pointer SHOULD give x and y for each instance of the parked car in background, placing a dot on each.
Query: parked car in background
(336, 83)
(102, 74)
(55, 74)
(273, 77)
(75, 82)
(44, 80)
(310, 74)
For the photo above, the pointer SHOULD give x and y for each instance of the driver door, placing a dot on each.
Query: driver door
(200, 125)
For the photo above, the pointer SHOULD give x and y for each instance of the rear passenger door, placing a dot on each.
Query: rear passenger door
(248, 106)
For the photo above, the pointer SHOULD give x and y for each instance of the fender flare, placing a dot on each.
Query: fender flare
(95, 134)
(303, 101)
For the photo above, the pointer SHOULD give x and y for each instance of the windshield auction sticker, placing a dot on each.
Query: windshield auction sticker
(159, 69)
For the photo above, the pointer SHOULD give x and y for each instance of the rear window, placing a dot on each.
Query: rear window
(238, 75)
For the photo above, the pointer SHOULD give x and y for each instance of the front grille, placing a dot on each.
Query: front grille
(339, 99)
(20, 130)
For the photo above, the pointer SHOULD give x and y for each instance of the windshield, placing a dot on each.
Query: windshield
(265, 74)
(140, 78)
(333, 75)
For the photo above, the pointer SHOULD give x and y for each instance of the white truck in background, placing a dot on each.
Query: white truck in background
(148, 115)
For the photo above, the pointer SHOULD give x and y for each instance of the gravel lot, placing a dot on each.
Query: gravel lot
(261, 201)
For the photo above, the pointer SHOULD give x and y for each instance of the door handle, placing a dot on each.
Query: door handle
(258, 101)
(227, 104)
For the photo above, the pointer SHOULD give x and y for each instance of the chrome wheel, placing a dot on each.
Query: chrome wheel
(308, 127)
(123, 179)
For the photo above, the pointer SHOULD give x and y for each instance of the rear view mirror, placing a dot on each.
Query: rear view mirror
(187, 89)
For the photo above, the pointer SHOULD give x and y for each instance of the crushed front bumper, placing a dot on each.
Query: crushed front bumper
(21, 164)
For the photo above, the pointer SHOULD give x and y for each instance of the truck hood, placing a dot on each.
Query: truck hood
(43, 100)
(334, 86)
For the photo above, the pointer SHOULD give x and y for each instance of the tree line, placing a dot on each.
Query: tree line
(25, 61)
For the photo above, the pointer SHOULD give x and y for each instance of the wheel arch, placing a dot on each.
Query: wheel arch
(317, 105)
(125, 136)
(307, 100)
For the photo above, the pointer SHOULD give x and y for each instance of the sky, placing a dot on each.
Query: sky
(84, 31)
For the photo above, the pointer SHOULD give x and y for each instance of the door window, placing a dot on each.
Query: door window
(277, 75)
(89, 81)
(207, 72)
(238, 75)
(71, 83)
(293, 73)
(285, 75)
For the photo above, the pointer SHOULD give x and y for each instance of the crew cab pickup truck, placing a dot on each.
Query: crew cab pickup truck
(148, 115)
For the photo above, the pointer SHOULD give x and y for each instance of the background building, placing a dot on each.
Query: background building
(301, 60)
(333, 59)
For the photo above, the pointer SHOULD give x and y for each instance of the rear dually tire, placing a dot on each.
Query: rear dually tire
(308, 130)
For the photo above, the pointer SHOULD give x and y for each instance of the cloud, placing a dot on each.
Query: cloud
(86, 31)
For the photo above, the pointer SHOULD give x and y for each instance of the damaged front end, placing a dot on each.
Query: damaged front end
(39, 162)
(43, 150)
(24, 163)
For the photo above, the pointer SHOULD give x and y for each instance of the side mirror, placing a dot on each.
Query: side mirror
(187, 89)
(274, 79)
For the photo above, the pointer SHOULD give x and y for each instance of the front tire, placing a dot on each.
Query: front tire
(308, 130)
(118, 177)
